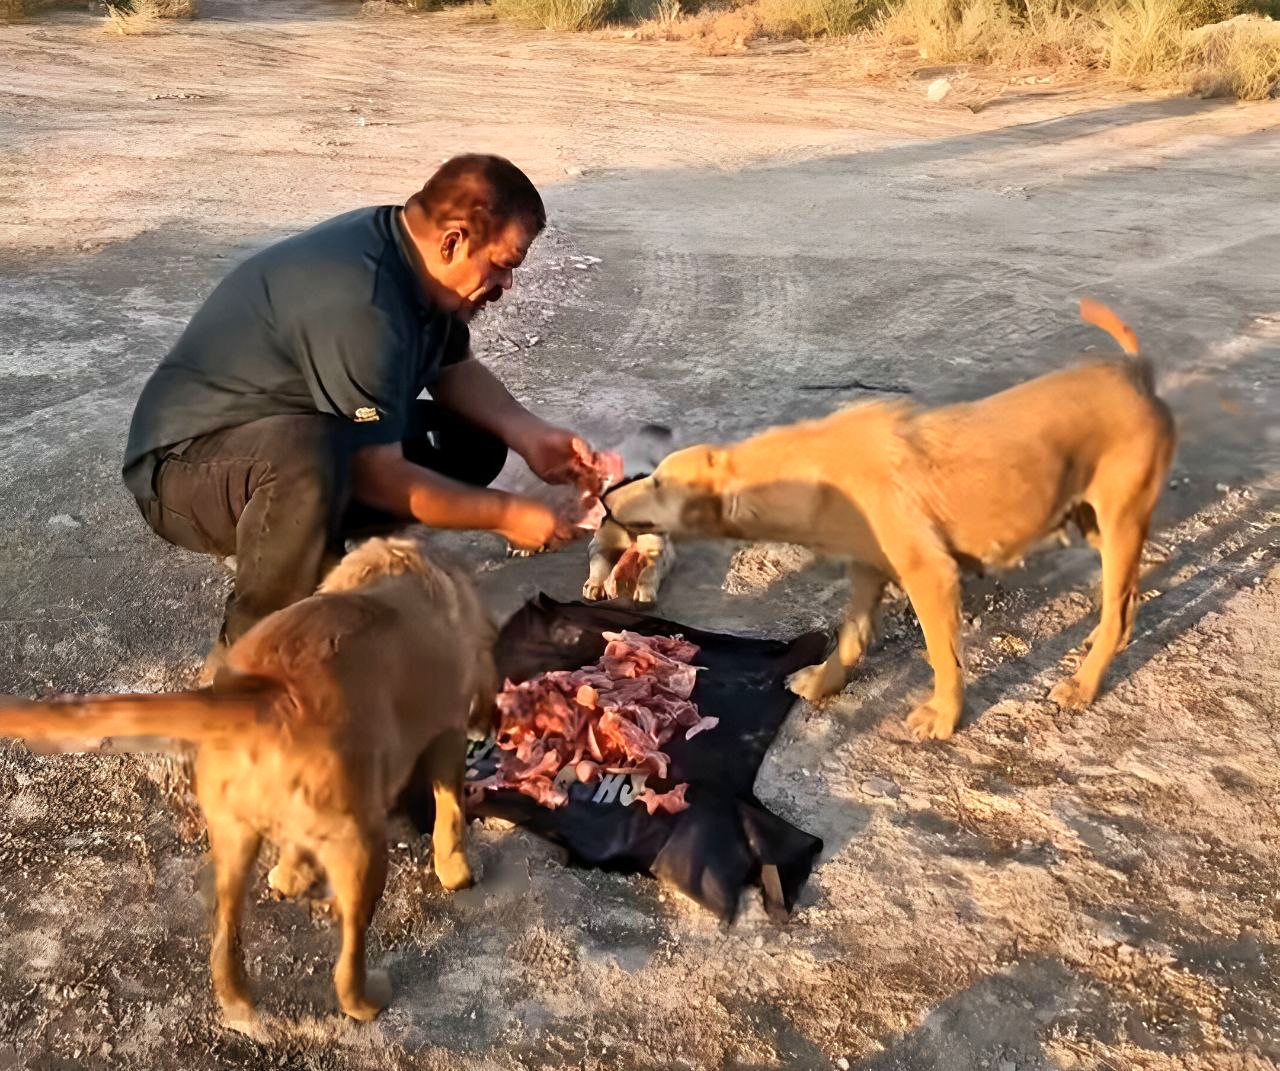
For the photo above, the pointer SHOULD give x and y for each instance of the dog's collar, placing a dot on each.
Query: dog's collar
(621, 483)
(628, 479)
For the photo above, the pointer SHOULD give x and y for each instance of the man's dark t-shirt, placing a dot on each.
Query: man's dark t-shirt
(333, 320)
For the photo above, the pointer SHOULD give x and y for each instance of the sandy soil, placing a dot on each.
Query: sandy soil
(1048, 890)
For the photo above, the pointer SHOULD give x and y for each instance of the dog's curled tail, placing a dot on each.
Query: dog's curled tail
(1104, 318)
(1099, 315)
(75, 723)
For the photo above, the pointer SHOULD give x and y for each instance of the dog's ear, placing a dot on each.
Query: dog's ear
(717, 460)
(703, 512)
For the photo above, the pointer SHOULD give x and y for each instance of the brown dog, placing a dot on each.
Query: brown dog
(319, 718)
(913, 496)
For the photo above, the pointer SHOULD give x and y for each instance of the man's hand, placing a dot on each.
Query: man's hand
(530, 525)
(472, 391)
(551, 454)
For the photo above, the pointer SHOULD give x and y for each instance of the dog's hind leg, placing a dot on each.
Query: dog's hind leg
(1122, 537)
(932, 583)
(447, 767)
(357, 869)
(234, 847)
(856, 633)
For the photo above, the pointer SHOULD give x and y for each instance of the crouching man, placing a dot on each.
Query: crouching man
(287, 415)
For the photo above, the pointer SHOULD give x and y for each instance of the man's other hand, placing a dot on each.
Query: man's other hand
(530, 525)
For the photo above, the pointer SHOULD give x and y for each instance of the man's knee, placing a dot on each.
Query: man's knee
(452, 446)
(487, 456)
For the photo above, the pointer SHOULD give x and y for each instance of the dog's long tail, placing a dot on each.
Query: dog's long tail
(1100, 316)
(79, 722)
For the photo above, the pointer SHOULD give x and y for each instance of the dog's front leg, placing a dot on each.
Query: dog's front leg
(607, 543)
(446, 762)
(659, 553)
(856, 633)
(933, 586)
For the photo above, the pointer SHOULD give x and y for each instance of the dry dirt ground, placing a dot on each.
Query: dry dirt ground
(734, 241)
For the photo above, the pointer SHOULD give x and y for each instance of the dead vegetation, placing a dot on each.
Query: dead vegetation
(1214, 47)
(557, 14)
(1237, 58)
(1207, 47)
(122, 16)
(142, 16)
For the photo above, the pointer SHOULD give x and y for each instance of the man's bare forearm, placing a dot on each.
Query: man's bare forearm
(384, 479)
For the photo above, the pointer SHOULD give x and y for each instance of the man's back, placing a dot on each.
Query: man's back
(332, 320)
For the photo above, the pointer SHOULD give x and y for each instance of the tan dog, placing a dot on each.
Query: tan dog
(913, 496)
(317, 721)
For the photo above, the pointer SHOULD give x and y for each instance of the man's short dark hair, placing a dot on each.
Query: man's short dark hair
(482, 192)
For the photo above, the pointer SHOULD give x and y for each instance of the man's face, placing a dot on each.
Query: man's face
(474, 275)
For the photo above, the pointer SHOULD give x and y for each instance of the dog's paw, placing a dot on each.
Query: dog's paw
(368, 1006)
(454, 872)
(645, 595)
(521, 552)
(925, 723)
(815, 683)
(291, 882)
(593, 590)
(611, 588)
(1071, 693)
(239, 1014)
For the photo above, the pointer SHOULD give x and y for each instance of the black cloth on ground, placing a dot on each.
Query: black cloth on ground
(726, 839)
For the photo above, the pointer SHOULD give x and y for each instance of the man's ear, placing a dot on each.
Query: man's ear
(451, 243)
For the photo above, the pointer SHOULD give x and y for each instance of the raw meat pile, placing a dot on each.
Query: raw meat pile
(612, 717)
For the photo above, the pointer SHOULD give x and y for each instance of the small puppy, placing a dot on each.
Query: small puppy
(622, 564)
(914, 496)
(320, 716)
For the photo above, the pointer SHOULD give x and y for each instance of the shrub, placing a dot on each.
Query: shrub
(557, 14)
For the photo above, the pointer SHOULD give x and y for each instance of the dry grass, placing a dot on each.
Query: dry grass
(129, 17)
(947, 32)
(14, 10)
(1237, 58)
(1143, 43)
(1167, 42)
(1194, 44)
(557, 14)
(1145, 39)
(815, 18)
